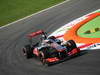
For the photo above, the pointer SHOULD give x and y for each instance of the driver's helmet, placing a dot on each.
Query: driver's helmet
(46, 42)
(55, 39)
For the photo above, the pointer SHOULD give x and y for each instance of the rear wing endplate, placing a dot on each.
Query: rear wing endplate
(33, 34)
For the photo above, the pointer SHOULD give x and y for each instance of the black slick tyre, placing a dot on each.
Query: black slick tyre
(71, 45)
(27, 51)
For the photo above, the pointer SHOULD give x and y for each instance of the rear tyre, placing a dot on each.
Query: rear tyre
(28, 52)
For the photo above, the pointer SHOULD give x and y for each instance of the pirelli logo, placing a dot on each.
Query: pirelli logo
(92, 31)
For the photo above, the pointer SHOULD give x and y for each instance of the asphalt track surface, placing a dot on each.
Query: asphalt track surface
(12, 39)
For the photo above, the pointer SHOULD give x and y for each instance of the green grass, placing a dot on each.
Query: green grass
(95, 23)
(11, 10)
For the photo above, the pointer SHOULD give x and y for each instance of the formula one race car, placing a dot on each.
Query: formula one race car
(49, 49)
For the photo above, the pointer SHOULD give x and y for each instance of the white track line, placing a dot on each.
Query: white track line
(70, 25)
(34, 14)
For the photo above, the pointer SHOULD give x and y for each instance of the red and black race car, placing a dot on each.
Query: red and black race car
(49, 49)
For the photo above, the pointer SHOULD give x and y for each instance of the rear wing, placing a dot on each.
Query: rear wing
(33, 34)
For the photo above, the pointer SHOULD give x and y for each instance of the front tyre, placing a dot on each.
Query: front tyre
(71, 45)
(42, 56)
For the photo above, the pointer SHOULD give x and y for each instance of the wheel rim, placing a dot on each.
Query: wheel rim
(24, 51)
(42, 58)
